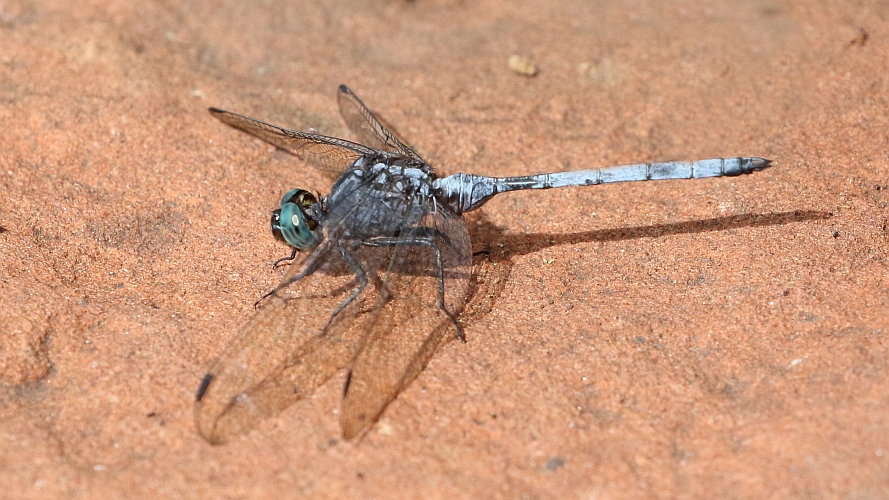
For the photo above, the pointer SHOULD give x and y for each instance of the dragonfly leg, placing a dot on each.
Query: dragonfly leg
(362, 280)
(282, 259)
(311, 266)
(441, 294)
(424, 236)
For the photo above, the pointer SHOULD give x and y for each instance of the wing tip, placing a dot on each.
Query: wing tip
(202, 389)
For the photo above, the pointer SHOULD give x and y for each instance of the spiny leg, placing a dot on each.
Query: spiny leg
(282, 259)
(441, 294)
(359, 273)
(311, 266)
(424, 236)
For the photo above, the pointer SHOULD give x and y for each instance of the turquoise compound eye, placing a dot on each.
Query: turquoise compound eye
(292, 224)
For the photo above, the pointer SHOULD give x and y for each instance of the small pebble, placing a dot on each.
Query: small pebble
(522, 65)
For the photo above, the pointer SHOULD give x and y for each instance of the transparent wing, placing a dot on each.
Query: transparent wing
(294, 342)
(368, 127)
(327, 154)
(411, 324)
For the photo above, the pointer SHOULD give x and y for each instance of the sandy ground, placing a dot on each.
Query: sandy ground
(719, 338)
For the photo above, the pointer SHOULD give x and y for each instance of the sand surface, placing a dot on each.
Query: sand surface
(717, 338)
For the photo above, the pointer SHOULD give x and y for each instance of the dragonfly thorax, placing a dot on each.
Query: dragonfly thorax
(379, 198)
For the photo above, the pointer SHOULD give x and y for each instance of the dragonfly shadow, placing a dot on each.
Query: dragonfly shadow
(494, 250)
(529, 243)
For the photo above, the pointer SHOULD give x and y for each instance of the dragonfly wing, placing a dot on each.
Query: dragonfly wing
(411, 325)
(291, 346)
(368, 127)
(328, 154)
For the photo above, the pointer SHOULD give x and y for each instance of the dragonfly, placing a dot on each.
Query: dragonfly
(379, 274)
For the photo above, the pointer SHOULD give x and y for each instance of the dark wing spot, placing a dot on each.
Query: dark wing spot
(203, 387)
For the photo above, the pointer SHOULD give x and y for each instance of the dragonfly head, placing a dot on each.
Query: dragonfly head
(294, 223)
